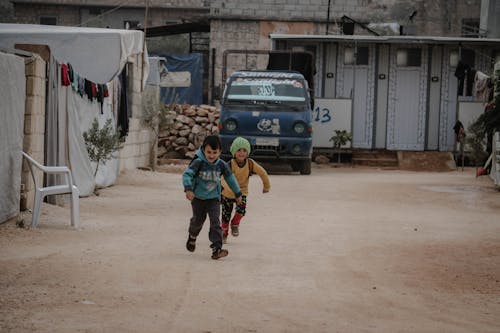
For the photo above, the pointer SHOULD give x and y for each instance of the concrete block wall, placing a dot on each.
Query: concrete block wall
(31, 13)
(227, 35)
(160, 12)
(136, 150)
(288, 10)
(34, 120)
(435, 18)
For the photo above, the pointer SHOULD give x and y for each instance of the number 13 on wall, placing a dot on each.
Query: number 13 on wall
(328, 115)
(322, 114)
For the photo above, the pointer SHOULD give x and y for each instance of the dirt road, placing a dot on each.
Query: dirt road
(341, 250)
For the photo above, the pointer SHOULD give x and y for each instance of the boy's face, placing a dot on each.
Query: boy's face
(241, 154)
(211, 154)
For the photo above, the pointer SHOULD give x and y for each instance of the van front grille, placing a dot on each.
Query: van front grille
(267, 150)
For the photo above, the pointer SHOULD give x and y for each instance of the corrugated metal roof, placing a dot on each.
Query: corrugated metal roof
(181, 28)
(387, 39)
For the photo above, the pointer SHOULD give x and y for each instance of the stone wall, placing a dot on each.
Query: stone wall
(444, 14)
(135, 152)
(102, 16)
(31, 13)
(34, 120)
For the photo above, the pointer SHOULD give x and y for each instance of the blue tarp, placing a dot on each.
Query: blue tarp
(192, 63)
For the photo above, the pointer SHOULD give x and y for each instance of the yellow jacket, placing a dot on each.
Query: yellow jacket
(242, 175)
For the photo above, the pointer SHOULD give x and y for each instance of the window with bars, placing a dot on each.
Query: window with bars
(48, 20)
(470, 28)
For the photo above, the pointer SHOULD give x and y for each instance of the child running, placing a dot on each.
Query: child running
(242, 167)
(202, 185)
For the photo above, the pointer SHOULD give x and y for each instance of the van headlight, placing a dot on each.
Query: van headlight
(299, 127)
(230, 125)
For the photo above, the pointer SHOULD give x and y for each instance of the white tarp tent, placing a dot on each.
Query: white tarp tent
(96, 54)
(12, 95)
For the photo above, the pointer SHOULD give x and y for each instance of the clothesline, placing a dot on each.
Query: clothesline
(81, 85)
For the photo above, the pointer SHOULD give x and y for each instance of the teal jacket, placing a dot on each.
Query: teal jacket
(203, 177)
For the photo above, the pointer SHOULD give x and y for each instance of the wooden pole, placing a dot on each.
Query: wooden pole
(144, 43)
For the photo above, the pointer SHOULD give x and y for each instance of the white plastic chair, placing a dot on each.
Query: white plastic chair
(41, 192)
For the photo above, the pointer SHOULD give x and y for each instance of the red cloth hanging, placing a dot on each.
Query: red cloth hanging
(94, 90)
(64, 75)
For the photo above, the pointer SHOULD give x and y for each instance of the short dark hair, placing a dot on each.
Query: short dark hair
(213, 141)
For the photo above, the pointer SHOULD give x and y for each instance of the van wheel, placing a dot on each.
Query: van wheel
(305, 168)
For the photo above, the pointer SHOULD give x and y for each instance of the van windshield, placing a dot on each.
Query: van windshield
(274, 90)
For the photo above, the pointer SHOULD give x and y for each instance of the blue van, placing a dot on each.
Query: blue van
(272, 109)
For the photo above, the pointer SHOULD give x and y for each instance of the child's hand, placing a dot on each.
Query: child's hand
(189, 195)
(238, 200)
(265, 190)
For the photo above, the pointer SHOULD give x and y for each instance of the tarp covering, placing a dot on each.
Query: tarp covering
(157, 70)
(81, 114)
(183, 82)
(75, 117)
(96, 54)
(12, 95)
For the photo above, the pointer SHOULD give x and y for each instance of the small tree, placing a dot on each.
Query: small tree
(486, 124)
(341, 138)
(102, 142)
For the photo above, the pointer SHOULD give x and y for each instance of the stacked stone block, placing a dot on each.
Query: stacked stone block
(187, 126)
(34, 120)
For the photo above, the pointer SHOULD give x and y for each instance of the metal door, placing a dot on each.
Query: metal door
(356, 81)
(432, 140)
(448, 114)
(407, 98)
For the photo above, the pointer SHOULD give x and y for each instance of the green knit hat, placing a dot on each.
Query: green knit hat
(239, 143)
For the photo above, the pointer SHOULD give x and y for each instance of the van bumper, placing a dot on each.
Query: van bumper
(288, 149)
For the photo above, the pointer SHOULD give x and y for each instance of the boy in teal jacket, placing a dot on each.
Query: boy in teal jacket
(202, 185)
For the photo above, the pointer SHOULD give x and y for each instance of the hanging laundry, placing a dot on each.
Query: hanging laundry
(100, 95)
(64, 75)
(465, 75)
(81, 86)
(74, 83)
(123, 112)
(105, 90)
(481, 86)
(459, 130)
(93, 89)
(471, 74)
(70, 73)
(88, 89)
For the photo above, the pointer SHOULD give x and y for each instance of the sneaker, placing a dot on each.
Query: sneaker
(235, 230)
(219, 253)
(191, 244)
(224, 239)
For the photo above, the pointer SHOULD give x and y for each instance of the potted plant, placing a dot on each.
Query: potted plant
(340, 138)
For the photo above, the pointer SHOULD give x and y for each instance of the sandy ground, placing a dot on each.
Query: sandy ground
(341, 250)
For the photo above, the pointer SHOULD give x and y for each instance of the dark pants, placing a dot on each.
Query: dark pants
(200, 210)
(227, 207)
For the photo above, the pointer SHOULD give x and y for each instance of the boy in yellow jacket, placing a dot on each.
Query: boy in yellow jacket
(242, 167)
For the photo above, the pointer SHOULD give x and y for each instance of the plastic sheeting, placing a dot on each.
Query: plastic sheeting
(80, 114)
(184, 81)
(12, 95)
(96, 54)
(157, 70)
